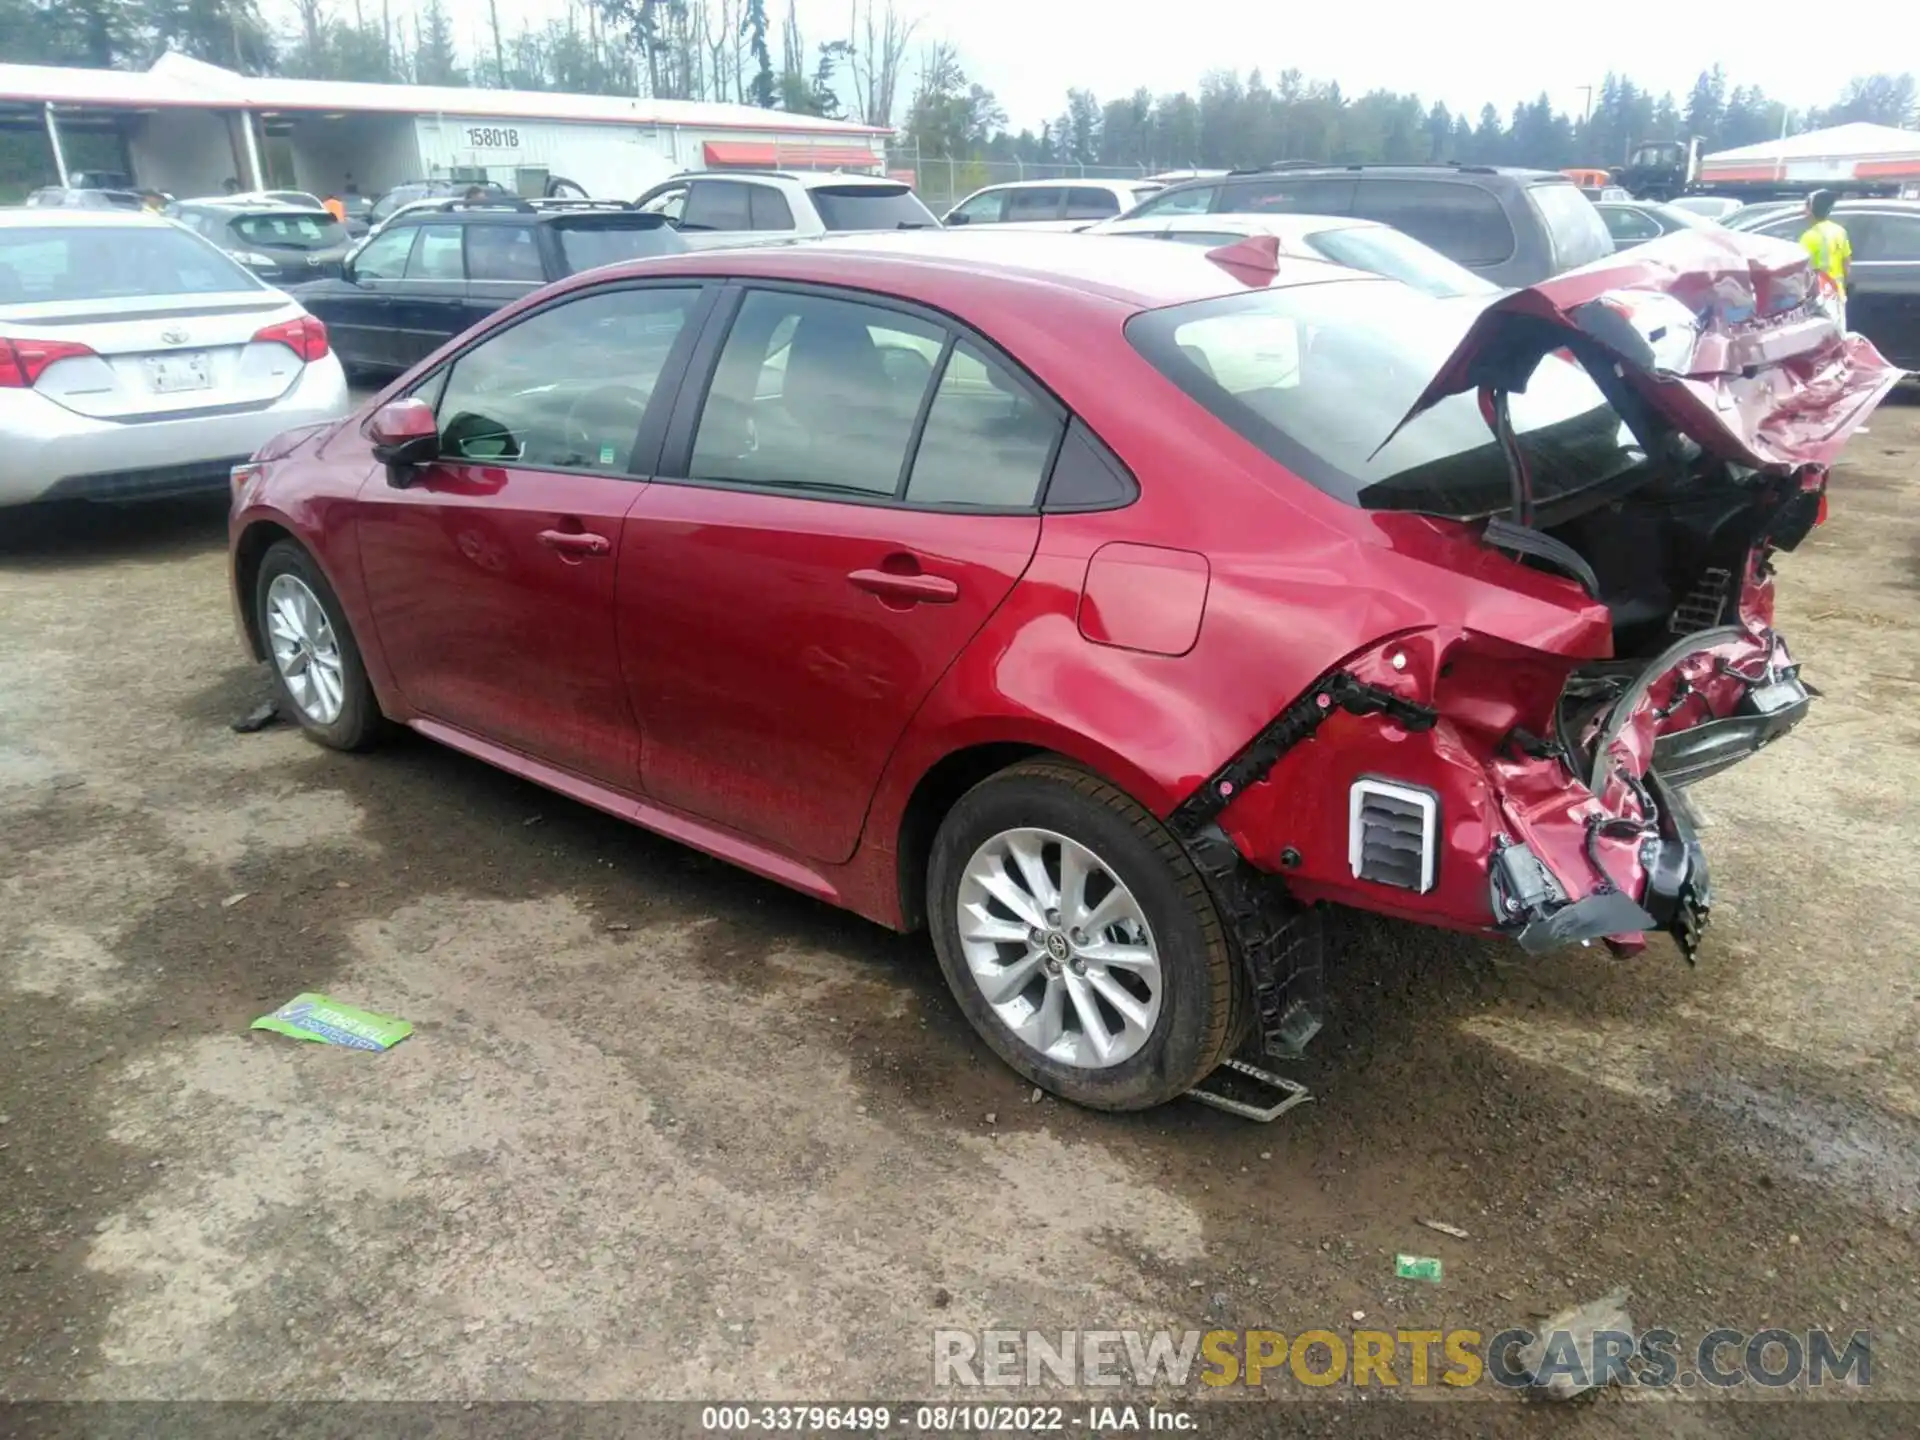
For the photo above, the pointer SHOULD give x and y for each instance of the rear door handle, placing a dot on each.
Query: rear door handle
(576, 542)
(925, 589)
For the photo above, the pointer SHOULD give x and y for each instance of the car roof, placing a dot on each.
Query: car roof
(52, 217)
(1284, 226)
(810, 179)
(993, 269)
(1125, 183)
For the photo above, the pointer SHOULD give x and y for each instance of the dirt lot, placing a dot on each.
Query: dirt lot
(667, 1131)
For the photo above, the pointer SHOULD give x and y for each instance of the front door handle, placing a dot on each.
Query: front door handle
(576, 543)
(921, 589)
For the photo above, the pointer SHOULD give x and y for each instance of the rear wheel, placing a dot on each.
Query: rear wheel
(1079, 939)
(317, 670)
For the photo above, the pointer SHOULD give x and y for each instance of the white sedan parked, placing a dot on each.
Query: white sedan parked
(138, 360)
(1050, 204)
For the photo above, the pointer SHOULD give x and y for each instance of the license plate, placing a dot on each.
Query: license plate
(168, 374)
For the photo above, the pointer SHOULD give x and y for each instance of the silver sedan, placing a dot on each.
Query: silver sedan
(137, 360)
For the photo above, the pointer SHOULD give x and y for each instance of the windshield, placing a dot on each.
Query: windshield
(1579, 234)
(1319, 375)
(871, 207)
(292, 230)
(587, 244)
(1386, 251)
(102, 262)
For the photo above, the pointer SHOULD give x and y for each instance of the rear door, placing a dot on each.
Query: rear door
(504, 262)
(1883, 303)
(850, 499)
(491, 572)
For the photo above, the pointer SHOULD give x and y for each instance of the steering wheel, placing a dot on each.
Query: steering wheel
(608, 412)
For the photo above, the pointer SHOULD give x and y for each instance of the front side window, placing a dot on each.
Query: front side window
(566, 388)
(671, 202)
(504, 252)
(436, 254)
(815, 395)
(1457, 218)
(384, 257)
(717, 205)
(1628, 226)
(988, 439)
(1189, 200)
(1319, 376)
(986, 208)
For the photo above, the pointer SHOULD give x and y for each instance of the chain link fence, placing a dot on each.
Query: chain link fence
(943, 183)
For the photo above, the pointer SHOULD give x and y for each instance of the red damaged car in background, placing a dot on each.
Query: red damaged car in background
(1106, 609)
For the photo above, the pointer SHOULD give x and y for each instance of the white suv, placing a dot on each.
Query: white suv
(1051, 204)
(759, 207)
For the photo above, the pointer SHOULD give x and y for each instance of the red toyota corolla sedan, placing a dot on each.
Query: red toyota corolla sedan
(1104, 607)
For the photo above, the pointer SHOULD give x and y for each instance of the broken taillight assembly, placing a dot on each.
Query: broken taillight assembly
(303, 335)
(23, 362)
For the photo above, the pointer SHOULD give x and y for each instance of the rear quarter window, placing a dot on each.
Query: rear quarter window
(871, 207)
(1457, 218)
(1280, 196)
(1579, 234)
(586, 244)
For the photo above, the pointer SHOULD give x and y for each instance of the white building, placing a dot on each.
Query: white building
(1840, 156)
(185, 127)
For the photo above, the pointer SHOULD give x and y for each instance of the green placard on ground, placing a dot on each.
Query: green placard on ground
(1417, 1267)
(322, 1018)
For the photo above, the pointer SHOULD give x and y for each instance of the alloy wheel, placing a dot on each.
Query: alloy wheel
(305, 649)
(1060, 948)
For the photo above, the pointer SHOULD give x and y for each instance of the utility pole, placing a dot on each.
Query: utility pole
(1586, 114)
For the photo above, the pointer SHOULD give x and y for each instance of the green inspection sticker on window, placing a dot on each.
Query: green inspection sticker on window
(606, 454)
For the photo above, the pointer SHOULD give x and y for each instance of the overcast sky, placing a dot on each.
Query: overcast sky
(1028, 52)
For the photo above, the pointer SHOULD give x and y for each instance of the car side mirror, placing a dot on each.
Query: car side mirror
(404, 434)
(957, 219)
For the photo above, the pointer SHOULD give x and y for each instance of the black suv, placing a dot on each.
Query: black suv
(1513, 227)
(435, 270)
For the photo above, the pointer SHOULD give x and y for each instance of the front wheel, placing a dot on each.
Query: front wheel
(1079, 939)
(317, 670)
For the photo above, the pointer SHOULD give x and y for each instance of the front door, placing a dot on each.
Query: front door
(1884, 301)
(491, 572)
(358, 310)
(788, 600)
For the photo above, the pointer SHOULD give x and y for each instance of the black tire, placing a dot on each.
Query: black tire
(1194, 1029)
(359, 723)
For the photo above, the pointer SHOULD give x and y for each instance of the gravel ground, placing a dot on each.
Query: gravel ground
(665, 1130)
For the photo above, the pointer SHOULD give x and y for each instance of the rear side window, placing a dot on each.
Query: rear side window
(986, 208)
(717, 205)
(815, 395)
(988, 438)
(295, 231)
(1280, 196)
(1084, 202)
(47, 263)
(1579, 234)
(1196, 200)
(1040, 203)
(768, 208)
(1459, 219)
(871, 207)
(504, 252)
(1883, 237)
(1627, 225)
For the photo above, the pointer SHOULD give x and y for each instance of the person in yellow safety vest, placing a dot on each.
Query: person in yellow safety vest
(336, 207)
(1826, 241)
